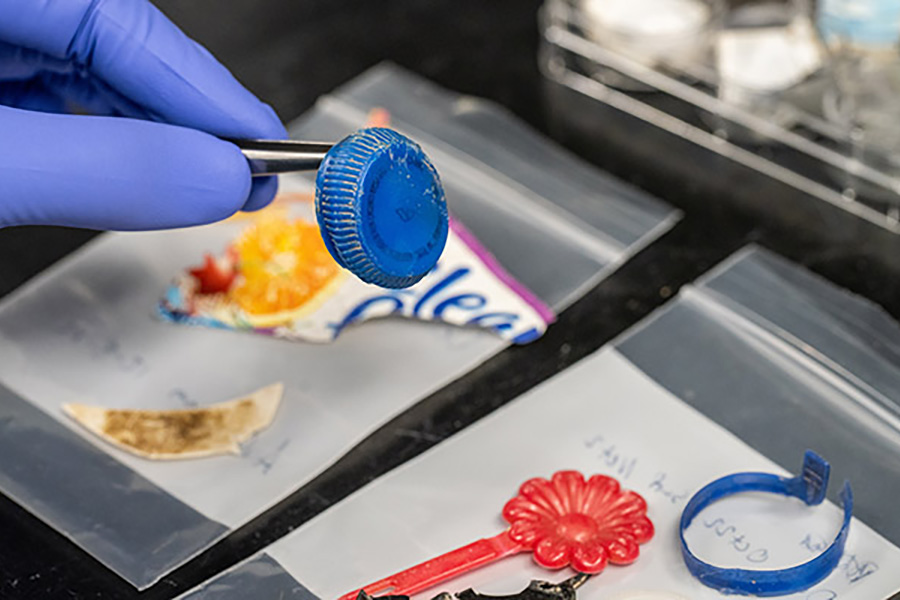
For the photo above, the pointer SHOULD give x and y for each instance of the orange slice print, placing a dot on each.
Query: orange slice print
(284, 270)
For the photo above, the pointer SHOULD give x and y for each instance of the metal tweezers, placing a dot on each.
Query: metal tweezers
(270, 157)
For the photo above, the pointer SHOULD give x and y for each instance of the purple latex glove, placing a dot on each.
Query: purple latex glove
(149, 158)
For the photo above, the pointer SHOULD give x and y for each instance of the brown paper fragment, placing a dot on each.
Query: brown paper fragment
(174, 434)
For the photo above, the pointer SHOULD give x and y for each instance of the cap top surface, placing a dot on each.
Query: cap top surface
(381, 208)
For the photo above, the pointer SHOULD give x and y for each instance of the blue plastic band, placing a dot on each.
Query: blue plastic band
(810, 487)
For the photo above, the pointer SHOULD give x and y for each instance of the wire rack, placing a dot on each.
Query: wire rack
(787, 138)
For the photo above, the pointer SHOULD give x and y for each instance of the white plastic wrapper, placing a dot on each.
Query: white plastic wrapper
(757, 335)
(86, 331)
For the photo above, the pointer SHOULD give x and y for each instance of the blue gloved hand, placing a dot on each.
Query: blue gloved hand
(149, 158)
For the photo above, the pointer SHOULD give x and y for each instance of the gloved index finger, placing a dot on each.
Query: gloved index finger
(136, 50)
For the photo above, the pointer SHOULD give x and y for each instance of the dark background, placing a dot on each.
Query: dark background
(291, 51)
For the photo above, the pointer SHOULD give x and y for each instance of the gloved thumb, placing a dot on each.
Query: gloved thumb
(115, 173)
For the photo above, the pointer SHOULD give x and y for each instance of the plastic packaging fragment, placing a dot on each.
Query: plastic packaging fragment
(809, 487)
(174, 434)
(278, 279)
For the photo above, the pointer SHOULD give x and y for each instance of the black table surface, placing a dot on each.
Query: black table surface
(290, 52)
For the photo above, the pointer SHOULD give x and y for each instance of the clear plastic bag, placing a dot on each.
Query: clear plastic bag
(759, 351)
(787, 362)
(85, 331)
(505, 182)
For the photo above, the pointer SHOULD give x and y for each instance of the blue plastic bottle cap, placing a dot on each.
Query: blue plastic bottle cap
(381, 208)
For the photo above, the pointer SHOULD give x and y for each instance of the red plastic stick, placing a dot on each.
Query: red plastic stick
(565, 521)
(446, 566)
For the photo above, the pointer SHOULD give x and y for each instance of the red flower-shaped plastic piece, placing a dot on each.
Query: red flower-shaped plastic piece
(564, 521)
(570, 521)
(215, 276)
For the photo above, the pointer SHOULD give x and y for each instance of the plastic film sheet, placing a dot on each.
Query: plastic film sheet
(743, 371)
(85, 332)
(787, 362)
